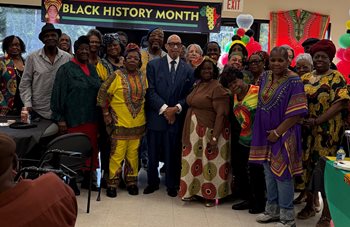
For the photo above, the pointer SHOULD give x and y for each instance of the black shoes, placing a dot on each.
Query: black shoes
(133, 189)
(241, 206)
(257, 209)
(111, 192)
(150, 189)
(172, 192)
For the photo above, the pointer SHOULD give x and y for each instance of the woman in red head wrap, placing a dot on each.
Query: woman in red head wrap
(323, 128)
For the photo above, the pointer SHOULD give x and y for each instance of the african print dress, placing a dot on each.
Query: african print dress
(206, 172)
(323, 140)
(277, 102)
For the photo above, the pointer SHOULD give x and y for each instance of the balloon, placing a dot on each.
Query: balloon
(244, 21)
(344, 68)
(251, 39)
(250, 33)
(224, 58)
(344, 40)
(253, 47)
(340, 53)
(240, 32)
(346, 54)
(348, 24)
(227, 47)
(245, 39)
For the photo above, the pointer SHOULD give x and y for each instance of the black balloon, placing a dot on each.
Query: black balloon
(250, 32)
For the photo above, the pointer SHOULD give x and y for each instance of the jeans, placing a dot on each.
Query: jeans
(280, 195)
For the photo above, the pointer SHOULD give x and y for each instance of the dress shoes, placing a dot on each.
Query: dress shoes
(133, 190)
(111, 192)
(172, 192)
(257, 209)
(150, 189)
(241, 206)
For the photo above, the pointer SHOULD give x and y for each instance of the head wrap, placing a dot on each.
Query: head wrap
(81, 40)
(326, 46)
(110, 38)
(152, 30)
(7, 152)
(132, 47)
(310, 41)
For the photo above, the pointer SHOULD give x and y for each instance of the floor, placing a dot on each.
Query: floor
(160, 210)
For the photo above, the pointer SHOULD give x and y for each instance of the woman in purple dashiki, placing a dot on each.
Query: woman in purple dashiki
(276, 139)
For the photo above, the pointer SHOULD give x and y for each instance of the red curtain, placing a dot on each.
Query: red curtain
(295, 26)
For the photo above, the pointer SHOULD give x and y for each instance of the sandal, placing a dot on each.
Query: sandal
(306, 212)
(209, 202)
(189, 199)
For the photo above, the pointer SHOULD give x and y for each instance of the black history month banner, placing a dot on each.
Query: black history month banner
(143, 14)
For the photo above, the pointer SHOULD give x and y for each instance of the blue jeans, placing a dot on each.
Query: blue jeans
(280, 195)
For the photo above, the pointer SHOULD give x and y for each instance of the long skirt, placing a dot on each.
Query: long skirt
(205, 172)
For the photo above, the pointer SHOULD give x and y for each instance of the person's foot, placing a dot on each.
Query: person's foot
(189, 199)
(172, 192)
(73, 185)
(257, 209)
(209, 202)
(111, 192)
(241, 206)
(150, 189)
(266, 218)
(290, 223)
(323, 222)
(306, 212)
(133, 190)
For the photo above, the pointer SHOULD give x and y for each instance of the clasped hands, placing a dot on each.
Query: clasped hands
(170, 114)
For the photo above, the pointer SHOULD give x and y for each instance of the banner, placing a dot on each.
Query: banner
(144, 14)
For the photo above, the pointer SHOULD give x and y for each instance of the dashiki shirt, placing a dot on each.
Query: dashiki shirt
(324, 139)
(126, 97)
(9, 80)
(277, 102)
(244, 112)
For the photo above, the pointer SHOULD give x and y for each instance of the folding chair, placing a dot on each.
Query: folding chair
(69, 153)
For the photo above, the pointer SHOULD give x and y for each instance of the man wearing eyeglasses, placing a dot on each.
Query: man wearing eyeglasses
(170, 80)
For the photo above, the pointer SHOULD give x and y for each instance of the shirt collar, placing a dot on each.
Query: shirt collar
(170, 59)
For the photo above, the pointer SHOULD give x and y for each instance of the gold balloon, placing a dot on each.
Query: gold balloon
(348, 24)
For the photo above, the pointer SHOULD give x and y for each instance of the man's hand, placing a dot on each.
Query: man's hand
(170, 114)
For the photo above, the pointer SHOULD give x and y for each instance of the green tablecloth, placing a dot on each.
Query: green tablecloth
(338, 195)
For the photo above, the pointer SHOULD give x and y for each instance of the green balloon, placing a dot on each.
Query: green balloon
(344, 41)
(227, 47)
(245, 39)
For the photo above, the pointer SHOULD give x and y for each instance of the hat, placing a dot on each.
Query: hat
(310, 41)
(132, 47)
(48, 28)
(7, 152)
(81, 40)
(110, 38)
(326, 46)
(152, 30)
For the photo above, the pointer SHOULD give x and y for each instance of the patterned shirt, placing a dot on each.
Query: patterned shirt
(244, 112)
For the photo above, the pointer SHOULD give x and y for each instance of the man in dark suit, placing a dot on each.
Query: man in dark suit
(170, 81)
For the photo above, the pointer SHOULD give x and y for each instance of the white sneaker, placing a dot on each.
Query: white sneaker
(266, 218)
(286, 224)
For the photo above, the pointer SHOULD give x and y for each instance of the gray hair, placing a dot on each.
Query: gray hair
(197, 47)
(305, 56)
(288, 48)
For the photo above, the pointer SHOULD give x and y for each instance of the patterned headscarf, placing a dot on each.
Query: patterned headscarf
(326, 46)
(110, 38)
(132, 47)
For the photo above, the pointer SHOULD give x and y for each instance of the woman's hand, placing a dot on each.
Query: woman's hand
(310, 122)
(62, 127)
(107, 118)
(272, 136)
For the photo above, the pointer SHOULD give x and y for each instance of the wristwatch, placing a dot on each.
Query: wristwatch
(214, 139)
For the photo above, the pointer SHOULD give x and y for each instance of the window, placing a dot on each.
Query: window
(26, 23)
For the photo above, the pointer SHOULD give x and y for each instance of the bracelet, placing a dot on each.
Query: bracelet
(275, 132)
(105, 113)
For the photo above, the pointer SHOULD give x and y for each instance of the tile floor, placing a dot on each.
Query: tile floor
(160, 210)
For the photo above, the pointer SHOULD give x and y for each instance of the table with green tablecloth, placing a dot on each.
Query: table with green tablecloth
(338, 194)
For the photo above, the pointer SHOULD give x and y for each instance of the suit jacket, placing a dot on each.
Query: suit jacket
(161, 91)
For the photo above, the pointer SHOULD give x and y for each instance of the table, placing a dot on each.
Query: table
(25, 139)
(338, 194)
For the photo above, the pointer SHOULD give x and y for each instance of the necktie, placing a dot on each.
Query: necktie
(172, 71)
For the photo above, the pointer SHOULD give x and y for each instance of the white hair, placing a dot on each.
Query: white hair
(305, 56)
(199, 49)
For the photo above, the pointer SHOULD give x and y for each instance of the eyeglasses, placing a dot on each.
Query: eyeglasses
(172, 45)
(254, 62)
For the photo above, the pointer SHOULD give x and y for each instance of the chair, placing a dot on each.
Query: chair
(69, 153)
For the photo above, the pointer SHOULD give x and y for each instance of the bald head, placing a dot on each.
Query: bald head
(174, 46)
(7, 153)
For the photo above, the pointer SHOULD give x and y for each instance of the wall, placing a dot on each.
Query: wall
(260, 9)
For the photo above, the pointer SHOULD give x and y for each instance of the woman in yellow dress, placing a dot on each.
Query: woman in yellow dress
(122, 98)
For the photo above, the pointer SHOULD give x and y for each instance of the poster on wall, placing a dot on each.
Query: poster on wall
(143, 14)
(233, 5)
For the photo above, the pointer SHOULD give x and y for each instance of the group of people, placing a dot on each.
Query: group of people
(256, 128)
